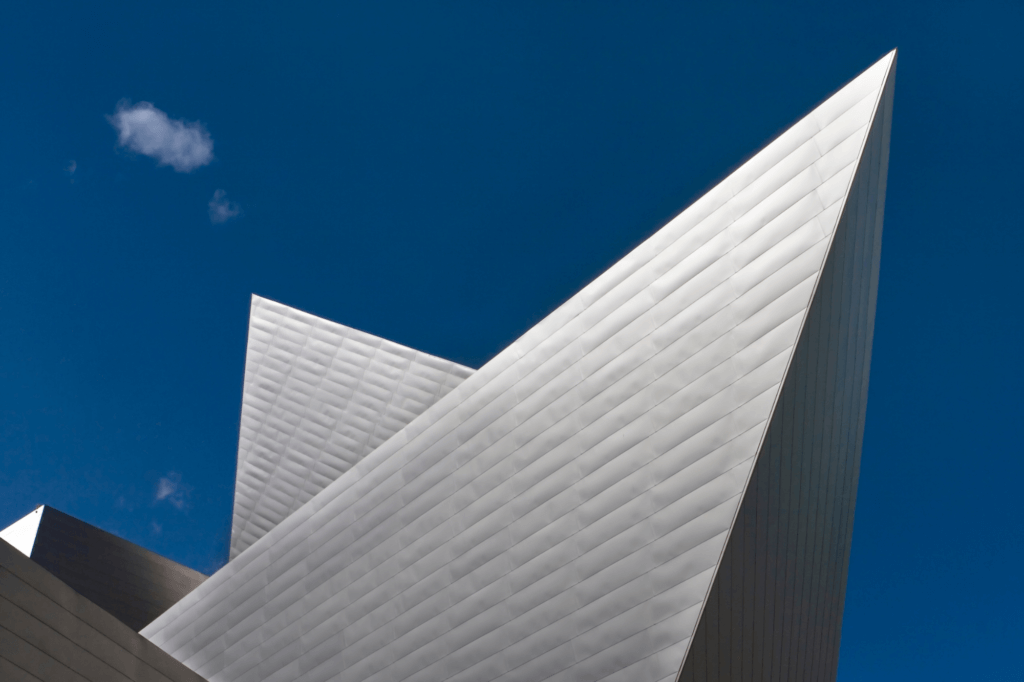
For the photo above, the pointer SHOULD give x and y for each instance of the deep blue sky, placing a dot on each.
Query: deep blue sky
(447, 177)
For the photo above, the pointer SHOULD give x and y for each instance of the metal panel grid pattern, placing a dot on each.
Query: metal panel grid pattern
(318, 397)
(775, 610)
(560, 514)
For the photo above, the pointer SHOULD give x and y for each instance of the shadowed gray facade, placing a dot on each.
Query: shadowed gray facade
(50, 632)
(130, 582)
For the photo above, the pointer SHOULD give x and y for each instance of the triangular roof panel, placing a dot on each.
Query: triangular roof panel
(561, 514)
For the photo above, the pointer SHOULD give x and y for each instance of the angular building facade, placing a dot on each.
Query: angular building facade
(656, 482)
(129, 582)
(50, 632)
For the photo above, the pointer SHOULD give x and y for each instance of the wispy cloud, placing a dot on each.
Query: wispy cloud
(71, 167)
(155, 528)
(182, 145)
(171, 488)
(221, 209)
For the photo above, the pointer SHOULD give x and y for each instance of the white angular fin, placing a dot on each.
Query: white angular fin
(22, 533)
(318, 397)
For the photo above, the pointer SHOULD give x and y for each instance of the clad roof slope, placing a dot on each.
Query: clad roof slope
(561, 513)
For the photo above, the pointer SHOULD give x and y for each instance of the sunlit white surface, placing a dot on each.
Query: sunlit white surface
(561, 513)
(22, 533)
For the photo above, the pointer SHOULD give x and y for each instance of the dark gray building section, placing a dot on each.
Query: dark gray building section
(50, 632)
(129, 582)
(775, 610)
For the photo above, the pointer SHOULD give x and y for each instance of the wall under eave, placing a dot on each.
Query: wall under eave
(50, 632)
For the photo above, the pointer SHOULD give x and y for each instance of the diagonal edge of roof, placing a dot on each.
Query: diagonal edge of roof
(530, 356)
(886, 66)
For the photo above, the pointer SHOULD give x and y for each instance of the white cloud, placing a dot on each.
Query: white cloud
(182, 145)
(221, 209)
(171, 488)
